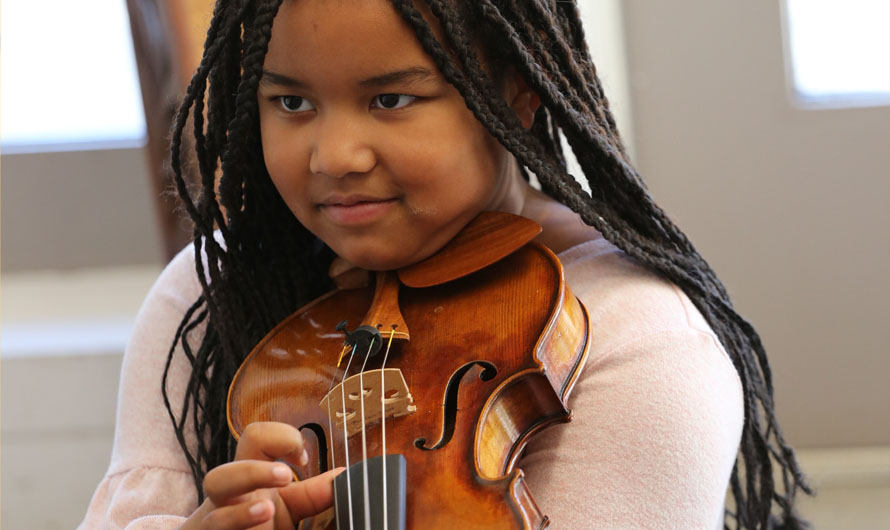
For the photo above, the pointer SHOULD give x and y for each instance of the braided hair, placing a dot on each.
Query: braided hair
(256, 263)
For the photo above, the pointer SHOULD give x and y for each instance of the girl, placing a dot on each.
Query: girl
(346, 136)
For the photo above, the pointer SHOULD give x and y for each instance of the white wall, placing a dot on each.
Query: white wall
(58, 424)
(63, 333)
(604, 28)
(790, 206)
(75, 209)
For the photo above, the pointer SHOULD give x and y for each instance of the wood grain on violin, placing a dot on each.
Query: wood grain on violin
(483, 356)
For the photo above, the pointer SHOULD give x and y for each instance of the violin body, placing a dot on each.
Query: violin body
(491, 360)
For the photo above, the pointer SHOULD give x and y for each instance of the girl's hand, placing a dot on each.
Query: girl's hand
(254, 491)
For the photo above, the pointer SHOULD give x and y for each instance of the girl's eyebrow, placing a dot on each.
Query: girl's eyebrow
(271, 78)
(412, 74)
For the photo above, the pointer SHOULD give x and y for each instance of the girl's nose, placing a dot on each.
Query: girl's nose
(341, 148)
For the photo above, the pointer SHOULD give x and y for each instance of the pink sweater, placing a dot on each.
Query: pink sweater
(657, 420)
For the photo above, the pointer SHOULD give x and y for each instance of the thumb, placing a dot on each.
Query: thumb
(311, 496)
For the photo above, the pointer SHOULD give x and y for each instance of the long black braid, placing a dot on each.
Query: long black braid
(257, 263)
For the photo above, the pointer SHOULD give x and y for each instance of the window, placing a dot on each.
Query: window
(69, 77)
(838, 51)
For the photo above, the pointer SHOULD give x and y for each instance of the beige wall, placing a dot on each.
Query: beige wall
(76, 209)
(789, 205)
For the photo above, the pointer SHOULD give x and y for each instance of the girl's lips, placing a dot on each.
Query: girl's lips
(357, 213)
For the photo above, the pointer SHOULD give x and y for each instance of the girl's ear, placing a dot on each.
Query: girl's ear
(522, 99)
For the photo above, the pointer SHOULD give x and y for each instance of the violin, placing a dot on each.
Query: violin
(428, 384)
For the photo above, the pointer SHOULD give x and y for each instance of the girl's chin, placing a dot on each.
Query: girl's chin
(381, 258)
(380, 263)
(385, 250)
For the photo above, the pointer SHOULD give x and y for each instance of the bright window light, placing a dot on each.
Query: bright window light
(839, 51)
(68, 76)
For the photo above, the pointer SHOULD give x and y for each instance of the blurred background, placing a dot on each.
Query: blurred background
(762, 127)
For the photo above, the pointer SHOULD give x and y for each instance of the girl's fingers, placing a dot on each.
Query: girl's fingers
(240, 516)
(224, 484)
(270, 440)
(311, 496)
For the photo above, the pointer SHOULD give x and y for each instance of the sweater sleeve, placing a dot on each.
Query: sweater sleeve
(149, 484)
(657, 412)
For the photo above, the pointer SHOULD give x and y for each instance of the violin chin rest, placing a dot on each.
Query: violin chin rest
(490, 237)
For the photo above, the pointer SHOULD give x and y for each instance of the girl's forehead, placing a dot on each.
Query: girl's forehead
(363, 36)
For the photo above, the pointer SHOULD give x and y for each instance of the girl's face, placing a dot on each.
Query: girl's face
(366, 142)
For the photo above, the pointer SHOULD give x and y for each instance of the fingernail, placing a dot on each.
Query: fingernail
(304, 458)
(283, 473)
(258, 508)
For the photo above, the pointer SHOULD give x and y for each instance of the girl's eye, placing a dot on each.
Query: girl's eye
(295, 104)
(393, 101)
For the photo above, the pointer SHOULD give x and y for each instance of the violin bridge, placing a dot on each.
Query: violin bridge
(382, 395)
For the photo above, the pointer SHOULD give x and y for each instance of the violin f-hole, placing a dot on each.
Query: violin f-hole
(451, 391)
(321, 442)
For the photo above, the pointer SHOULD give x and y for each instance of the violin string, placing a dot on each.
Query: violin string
(330, 421)
(331, 430)
(383, 421)
(365, 488)
(346, 440)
